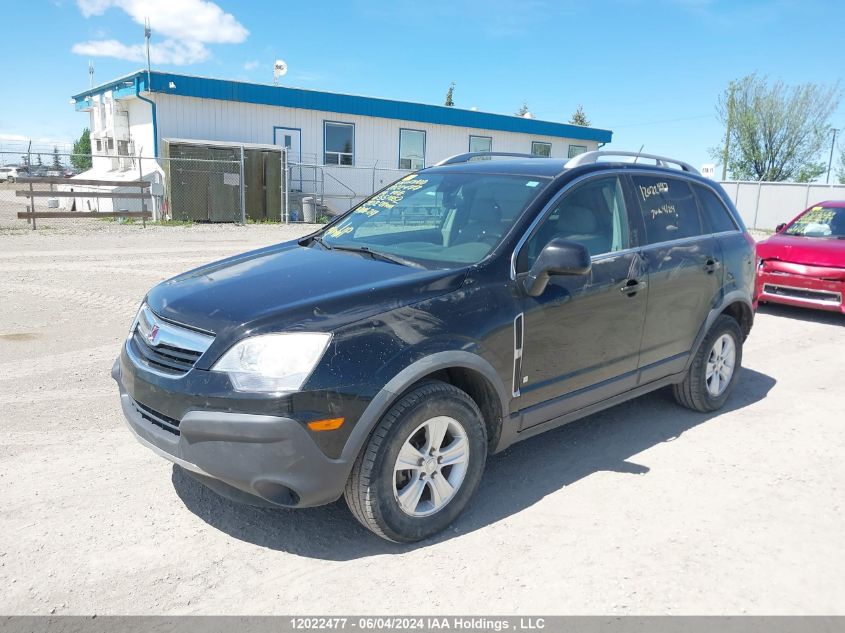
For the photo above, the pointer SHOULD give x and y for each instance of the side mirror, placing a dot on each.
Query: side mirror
(558, 257)
(780, 227)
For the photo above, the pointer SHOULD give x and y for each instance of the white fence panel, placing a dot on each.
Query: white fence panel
(764, 205)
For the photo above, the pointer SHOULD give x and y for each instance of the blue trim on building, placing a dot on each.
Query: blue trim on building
(261, 94)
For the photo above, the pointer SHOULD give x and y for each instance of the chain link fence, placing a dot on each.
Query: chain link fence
(241, 185)
(320, 192)
(81, 190)
(203, 190)
(63, 190)
(192, 183)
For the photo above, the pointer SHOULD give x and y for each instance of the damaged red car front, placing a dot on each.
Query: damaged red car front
(803, 264)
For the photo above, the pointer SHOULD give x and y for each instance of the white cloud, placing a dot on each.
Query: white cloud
(166, 52)
(252, 65)
(187, 26)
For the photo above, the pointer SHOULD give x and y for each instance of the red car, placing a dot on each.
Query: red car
(803, 264)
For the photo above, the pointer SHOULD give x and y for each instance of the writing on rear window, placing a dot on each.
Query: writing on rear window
(669, 209)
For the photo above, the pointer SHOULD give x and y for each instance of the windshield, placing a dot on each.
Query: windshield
(819, 222)
(445, 219)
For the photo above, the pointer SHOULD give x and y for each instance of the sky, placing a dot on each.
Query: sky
(649, 70)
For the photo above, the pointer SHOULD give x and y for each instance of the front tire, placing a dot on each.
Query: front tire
(421, 465)
(713, 373)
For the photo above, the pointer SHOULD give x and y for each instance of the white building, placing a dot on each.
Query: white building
(140, 114)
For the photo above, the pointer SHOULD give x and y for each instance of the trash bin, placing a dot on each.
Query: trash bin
(309, 210)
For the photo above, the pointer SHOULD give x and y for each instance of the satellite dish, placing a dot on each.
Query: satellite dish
(280, 68)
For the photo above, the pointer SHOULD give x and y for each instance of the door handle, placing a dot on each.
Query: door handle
(633, 286)
(711, 265)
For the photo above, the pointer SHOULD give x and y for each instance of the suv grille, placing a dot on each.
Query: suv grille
(171, 425)
(165, 347)
(172, 360)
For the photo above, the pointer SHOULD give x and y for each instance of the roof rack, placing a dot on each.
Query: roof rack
(468, 156)
(588, 158)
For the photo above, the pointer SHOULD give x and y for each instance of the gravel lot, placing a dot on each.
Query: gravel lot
(645, 508)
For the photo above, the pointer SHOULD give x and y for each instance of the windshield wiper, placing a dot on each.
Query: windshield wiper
(319, 239)
(393, 259)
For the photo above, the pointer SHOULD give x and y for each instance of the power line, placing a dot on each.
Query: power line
(688, 118)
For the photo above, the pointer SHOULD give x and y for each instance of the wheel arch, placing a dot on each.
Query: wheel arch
(742, 313)
(465, 370)
(736, 305)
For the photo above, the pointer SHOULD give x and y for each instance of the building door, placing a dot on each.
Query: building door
(290, 138)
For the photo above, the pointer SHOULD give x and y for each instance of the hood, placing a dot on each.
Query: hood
(810, 251)
(289, 286)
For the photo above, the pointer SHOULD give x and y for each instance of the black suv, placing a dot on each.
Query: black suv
(459, 310)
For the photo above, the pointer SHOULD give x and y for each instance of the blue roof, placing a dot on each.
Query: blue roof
(263, 94)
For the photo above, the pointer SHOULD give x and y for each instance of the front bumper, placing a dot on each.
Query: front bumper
(252, 458)
(800, 290)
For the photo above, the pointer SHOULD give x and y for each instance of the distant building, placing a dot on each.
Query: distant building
(146, 115)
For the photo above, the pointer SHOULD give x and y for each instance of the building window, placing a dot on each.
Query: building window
(480, 143)
(538, 148)
(574, 150)
(338, 143)
(99, 145)
(411, 149)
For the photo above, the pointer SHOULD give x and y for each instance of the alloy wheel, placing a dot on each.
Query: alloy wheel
(431, 466)
(720, 365)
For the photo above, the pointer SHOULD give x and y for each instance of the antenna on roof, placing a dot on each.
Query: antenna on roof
(148, 32)
(280, 69)
(90, 74)
(640, 151)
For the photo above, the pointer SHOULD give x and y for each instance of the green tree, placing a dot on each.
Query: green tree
(579, 118)
(810, 171)
(81, 159)
(523, 109)
(449, 94)
(773, 131)
(57, 163)
(840, 172)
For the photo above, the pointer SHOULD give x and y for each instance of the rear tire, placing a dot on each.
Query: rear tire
(421, 465)
(714, 370)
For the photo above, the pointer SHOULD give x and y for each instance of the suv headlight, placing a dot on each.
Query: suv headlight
(135, 320)
(272, 363)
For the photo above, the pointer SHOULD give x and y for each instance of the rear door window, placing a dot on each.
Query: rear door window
(715, 211)
(669, 208)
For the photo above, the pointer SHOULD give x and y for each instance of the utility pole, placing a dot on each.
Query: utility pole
(726, 153)
(90, 74)
(830, 160)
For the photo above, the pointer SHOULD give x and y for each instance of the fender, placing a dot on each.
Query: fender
(728, 298)
(417, 370)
